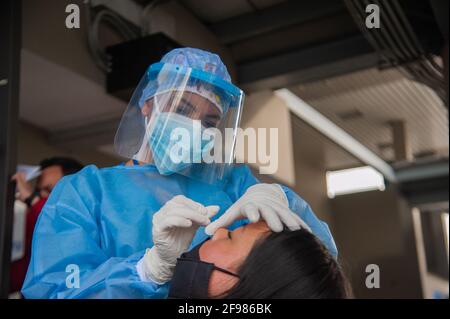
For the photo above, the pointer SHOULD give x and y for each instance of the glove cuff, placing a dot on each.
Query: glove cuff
(156, 269)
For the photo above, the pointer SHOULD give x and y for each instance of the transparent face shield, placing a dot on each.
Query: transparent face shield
(184, 121)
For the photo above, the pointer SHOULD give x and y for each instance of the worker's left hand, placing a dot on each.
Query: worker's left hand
(174, 227)
(261, 201)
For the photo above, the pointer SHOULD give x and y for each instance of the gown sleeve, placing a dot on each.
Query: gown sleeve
(319, 228)
(67, 259)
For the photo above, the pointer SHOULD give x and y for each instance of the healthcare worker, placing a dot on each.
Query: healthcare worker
(117, 232)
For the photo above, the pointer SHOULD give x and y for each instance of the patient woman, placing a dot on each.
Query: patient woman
(253, 262)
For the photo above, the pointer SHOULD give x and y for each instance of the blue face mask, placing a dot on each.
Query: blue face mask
(172, 140)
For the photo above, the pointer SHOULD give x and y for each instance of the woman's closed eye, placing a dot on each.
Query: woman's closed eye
(209, 124)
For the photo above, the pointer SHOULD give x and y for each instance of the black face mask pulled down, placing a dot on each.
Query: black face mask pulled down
(191, 277)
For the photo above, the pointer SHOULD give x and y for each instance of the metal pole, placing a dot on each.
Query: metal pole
(10, 43)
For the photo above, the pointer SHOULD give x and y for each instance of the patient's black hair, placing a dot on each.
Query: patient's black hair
(290, 265)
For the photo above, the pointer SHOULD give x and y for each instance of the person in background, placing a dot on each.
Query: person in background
(52, 170)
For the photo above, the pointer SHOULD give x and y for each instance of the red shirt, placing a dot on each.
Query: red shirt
(19, 267)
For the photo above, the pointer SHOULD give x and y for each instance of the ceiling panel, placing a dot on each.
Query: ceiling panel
(375, 98)
(262, 4)
(210, 12)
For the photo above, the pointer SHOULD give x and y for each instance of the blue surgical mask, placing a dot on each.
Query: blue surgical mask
(172, 153)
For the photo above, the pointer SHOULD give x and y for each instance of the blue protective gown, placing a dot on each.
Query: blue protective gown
(100, 220)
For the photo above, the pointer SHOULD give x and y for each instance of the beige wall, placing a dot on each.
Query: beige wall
(265, 110)
(310, 169)
(44, 33)
(376, 228)
(33, 147)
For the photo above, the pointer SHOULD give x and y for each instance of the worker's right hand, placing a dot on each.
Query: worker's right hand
(174, 227)
(24, 189)
(261, 201)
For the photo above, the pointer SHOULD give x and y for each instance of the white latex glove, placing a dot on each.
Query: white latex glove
(174, 227)
(261, 201)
